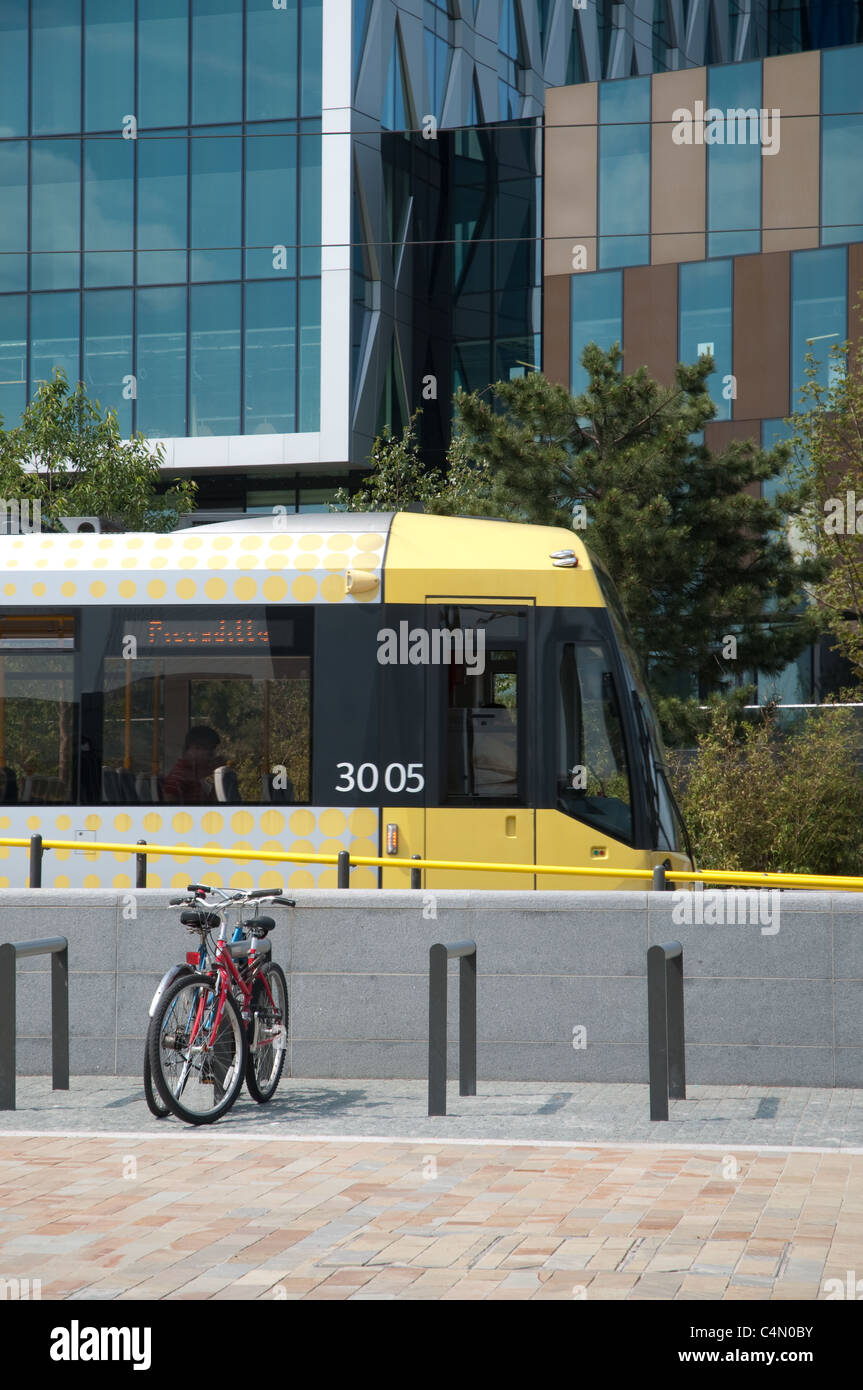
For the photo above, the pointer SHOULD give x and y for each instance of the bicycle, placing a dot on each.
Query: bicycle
(211, 1028)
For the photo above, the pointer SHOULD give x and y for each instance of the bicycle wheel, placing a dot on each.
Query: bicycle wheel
(154, 1104)
(198, 1070)
(267, 1033)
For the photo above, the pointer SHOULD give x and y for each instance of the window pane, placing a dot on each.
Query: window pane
(163, 52)
(624, 101)
(310, 355)
(734, 158)
(56, 55)
(483, 704)
(271, 317)
(842, 80)
(108, 194)
(271, 205)
(14, 64)
(55, 213)
(13, 357)
(214, 366)
(216, 207)
(231, 695)
(624, 194)
(310, 205)
(217, 48)
(841, 181)
(53, 337)
(109, 65)
(596, 317)
(161, 362)
(818, 310)
(271, 60)
(705, 322)
(13, 215)
(162, 178)
(38, 713)
(108, 351)
(592, 773)
(311, 14)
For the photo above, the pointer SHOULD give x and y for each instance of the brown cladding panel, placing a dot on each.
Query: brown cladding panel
(762, 293)
(720, 433)
(569, 177)
(650, 320)
(556, 328)
(677, 172)
(855, 287)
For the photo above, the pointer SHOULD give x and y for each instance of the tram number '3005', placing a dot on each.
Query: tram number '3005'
(397, 777)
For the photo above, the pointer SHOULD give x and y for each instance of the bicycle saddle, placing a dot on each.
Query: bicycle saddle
(259, 926)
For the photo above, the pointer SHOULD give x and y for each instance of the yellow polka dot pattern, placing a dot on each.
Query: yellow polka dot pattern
(298, 830)
(276, 567)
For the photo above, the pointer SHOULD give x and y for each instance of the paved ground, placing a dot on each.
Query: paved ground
(346, 1190)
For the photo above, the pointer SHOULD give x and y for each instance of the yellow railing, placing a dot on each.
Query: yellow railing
(739, 878)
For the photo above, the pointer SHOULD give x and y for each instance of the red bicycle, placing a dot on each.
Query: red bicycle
(215, 1026)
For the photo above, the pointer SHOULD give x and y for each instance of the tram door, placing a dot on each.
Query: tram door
(477, 742)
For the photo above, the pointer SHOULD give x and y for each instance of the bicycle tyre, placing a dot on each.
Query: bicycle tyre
(154, 1103)
(209, 1077)
(264, 1062)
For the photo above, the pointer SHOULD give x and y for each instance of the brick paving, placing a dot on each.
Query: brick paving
(226, 1214)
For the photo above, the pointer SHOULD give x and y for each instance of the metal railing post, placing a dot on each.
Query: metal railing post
(416, 874)
(141, 868)
(35, 879)
(665, 1030)
(7, 1026)
(439, 954)
(344, 869)
(60, 1019)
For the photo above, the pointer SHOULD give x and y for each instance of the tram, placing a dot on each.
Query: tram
(390, 684)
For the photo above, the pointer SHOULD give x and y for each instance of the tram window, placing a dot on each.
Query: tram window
(482, 730)
(211, 710)
(37, 709)
(593, 781)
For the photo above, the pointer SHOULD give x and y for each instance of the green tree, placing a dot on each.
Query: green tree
(399, 480)
(828, 435)
(71, 458)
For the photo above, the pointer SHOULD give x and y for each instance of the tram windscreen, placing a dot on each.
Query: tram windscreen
(593, 774)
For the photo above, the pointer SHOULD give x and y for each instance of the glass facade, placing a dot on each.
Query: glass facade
(819, 310)
(596, 315)
(705, 309)
(734, 160)
(160, 209)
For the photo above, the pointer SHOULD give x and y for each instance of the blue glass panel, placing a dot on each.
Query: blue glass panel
(271, 355)
(706, 323)
(360, 12)
(842, 178)
(311, 49)
(214, 360)
(310, 355)
(13, 215)
(109, 63)
(55, 212)
(14, 65)
(108, 211)
(271, 60)
(163, 61)
(161, 362)
(394, 114)
(53, 337)
(13, 357)
(734, 155)
(271, 205)
(596, 316)
(217, 49)
(624, 100)
(161, 210)
(216, 207)
(819, 287)
(310, 205)
(108, 352)
(623, 250)
(842, 80)
(733, 243)
(732, 85)
(624, 180)
(56, 57)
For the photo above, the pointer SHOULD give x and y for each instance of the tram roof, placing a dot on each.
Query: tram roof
(353, 557)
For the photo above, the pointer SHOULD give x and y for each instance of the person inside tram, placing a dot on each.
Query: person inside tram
(190, 781)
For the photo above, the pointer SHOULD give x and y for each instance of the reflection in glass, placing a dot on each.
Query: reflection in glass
(818, 310)
(109, 63)
(108, 351)
(271, 60)
(13, 358)
(624, 101)
(53, 337)
(624, 195)
(108, 202)
(596, 312)
(214, 360)
(841, 79)
(163, 53)
(217, 55)
(14, 64)
(310, 355)
(216, 207)
(13, 215)
(841, 182)
(705, 322)
(55, 172)
(734, 166)
(593, 783)
(56, 65)
(271, 205)
(161, 362)
(37, 711)
(162, 174)
(270, 326)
